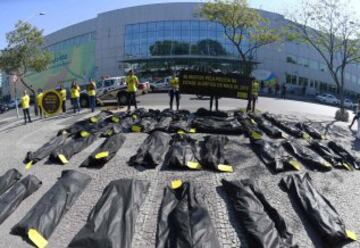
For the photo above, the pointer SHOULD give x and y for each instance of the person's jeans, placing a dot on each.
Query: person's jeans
(132, 99)
(92, 103)
(64, 106)
(40, 111)
(26, 115)
(175, 93)
(76, 104)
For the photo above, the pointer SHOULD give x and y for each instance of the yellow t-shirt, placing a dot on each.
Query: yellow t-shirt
(174, 82)
(75, 92)
(63, 94)
(131, 82)
(39, 99)
(91, 89)
(25, 102)
(255, 88)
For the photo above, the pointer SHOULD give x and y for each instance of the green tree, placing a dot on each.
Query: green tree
(332, 30)
(24, 52)
(209, 47)
(244, 27)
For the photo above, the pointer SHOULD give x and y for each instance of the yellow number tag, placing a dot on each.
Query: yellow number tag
(136, 128)
(295, 164)
(351, 235)
(225, 168)
(63, 159)
(193, 165)
(84, 134)
(176, 184)
(94, 119)
(28, 165)
(101, 155)
(37, 238)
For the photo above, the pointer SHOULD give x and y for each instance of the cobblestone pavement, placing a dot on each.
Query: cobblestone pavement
(341, 187)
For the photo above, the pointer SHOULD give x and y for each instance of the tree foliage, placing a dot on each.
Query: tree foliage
(333, 31)
(243, 26)
(24, 52)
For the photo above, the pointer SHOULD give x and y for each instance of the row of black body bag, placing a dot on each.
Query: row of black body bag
(183, 220)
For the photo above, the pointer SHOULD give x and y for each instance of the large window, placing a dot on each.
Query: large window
(184, 37)
(74, 41)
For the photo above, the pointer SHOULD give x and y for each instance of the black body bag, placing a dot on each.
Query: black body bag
(9, 179)
(111, 223)
(10, 200)
(339, 150)
(217, 125)
(183, 153)
(144, 125)
(264, 226)
(183, 220)
(105, 152)
(315, 134)
(152, 150)
(42, 219)
(317, 209)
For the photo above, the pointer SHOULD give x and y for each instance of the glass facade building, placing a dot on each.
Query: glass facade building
(177, 38)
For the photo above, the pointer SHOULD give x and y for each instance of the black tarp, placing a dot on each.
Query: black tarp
(217, 125)
(180, 124)
(315, 134)
(163, 124)
(263, 225)
(270, 131)
(46, 214)
(306, 156)
(9, 178)
(274, 156)
(325, 152)
(46, 149)
(285, 126)
(183, 153)
(152, 151)
(212, 153)
(342, 152)
(249, 127)
(202, 112)
(316, 209)
(145, 125)
(10, 200)
(184, 222)
(105, 152)
(71, 147)
(111, 223)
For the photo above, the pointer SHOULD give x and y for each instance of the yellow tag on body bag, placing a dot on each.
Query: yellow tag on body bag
(63, 159)
(351, 235)
(225, 168)
(37, 238)
(101, 155)
(28, 165)
(193, 165)
(175, 184)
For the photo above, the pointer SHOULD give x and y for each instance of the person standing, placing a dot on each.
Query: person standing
(174, 91)
(132, 83)
(39, 98)
(283, 91)
(253, 96)
(216, 98)
(25, 105)
(75, 96)
(63, 98)
(357, 115)
(277, 88)
(91, 90)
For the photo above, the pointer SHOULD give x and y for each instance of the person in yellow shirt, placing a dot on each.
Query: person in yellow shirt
(91, 90)
(132, 83)
(253, 96)
(25, 105)
(75, 96)
(62, 92)
(174, 91)
(39, 97)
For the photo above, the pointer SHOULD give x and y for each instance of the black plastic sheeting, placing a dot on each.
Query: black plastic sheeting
(212, 152)
(72, 147)
(46, 214)
(10, 200)
(217, 125)
(184, 222)
(46, 149)
(92, 124)
(306, 156)
(152, 151)
(9, 179)
(315, 134)
(263, 225)
(111, 223)
(316, 209)
(105, 152)
(180, 124)
(285, 126)
(274, 156)
(249, 126)
(342, 152)
(145, 125)
(270, 131)
(163, 124)
(204, 113)
(183, 153)
(325, 152)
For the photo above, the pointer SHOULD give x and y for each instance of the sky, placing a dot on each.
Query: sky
(62, 13)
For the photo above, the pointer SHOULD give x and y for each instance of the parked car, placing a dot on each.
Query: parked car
(328, 98)
(3, 109)
(144, 87)
(11, 104)
(162, 85)
(348, 103)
